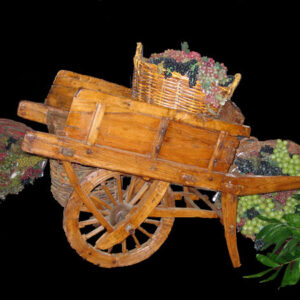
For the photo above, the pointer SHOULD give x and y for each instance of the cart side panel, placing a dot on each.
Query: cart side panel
(196, 146)
(66, 85)
(124, 129)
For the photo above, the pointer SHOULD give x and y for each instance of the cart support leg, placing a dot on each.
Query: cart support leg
(229, 206)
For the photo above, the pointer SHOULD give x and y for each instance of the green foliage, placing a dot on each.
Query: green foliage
(282, 239)
(185, 47)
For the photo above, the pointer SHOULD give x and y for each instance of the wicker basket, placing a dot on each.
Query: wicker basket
(174, 92)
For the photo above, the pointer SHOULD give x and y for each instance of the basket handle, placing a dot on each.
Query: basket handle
(233, 86)
(139, 50)
(138, 57)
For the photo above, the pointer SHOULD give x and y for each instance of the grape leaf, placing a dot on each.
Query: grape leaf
(296, 196)
(260, 274)
(277, 235)
(276, 258)
(297, 209)
(292, 274)
(270, 220)
(272, 277)
(292, 219)
(296, 233)
(267, 261)
(288, 252)
(266, 230)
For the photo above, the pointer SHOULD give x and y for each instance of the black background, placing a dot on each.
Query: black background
(98, 38)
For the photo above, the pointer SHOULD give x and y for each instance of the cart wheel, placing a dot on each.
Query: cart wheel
(115, 195)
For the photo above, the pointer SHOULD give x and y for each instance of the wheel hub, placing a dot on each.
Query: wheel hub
(118, 213)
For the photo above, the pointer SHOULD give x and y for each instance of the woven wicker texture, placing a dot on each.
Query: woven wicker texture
(61, 188)
(152, 87)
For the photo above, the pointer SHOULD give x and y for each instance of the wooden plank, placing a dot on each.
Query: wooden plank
(251, 185)
(162, 112)
(60, 96)
(67, 83)
(33, 111)
(179, 212)
(191, 145)
(41, 113)
(131, 163)
(76, 80)
(128, 131)
(95, 125)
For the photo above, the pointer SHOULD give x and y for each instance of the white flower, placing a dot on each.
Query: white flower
(14, 174)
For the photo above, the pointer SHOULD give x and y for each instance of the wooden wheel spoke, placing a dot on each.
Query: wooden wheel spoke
(139, 194)
(145, 232)
(85, 209)
(124, 246)
(152, 221)
(137, 243)
(108, 193)
(100, 202)
(87, 222)
(119, 185)
(130, 189)
(93, 232)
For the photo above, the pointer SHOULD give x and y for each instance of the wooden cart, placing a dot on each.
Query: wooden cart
(143, 149)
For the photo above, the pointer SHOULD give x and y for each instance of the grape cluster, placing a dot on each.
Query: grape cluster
(17, 168)
(250, 207)
(290, 164)
(209, 73)
(26, 160)
(257, 166)
(244, 165)
(268, 169)
(268, 161)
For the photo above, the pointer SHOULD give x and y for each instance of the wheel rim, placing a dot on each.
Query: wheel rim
(115, 195)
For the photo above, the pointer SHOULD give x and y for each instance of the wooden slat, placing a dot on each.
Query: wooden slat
(179, 212)
(206, 200)
(158, 140)
(217, 151)
(95, 125)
